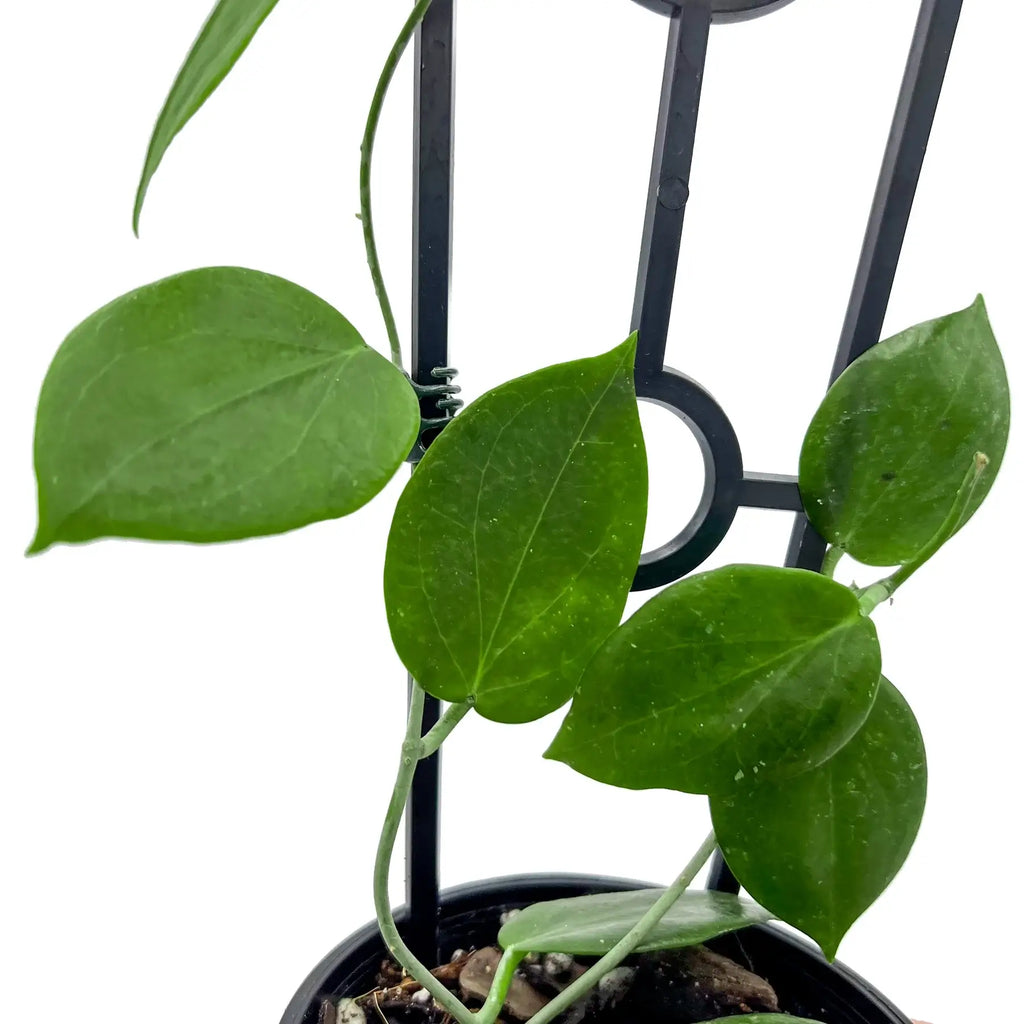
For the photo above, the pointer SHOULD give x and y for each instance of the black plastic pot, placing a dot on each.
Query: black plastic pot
(723, 10)
(806, 984)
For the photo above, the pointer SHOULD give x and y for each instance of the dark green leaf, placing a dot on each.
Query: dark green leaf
(820, 848)
(591, 925)
(514, 545)
(727, 675)
(217, 404)
(888, 448)
(222, 40)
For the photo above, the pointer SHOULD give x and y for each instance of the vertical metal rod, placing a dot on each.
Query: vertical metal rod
(898, 180)
(720, 878)
(432, 252)
(423, 849)
(670, 181)
(890, 213)
(883, 242)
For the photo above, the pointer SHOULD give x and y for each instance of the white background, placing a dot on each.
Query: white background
(196, 744)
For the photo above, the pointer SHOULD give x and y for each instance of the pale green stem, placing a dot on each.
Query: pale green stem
(871, 597)
(503, 975)
(630, 941)
(412, 749)
(439, 733)
(365, 166)
(833, 556)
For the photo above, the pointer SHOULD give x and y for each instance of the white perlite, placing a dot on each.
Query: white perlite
(349, 1012)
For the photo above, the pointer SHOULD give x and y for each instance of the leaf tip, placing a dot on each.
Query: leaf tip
(628, 347)
(829, 942)
(979, 309)
(140, 198)
(551, 754)
(40, 542)
(149, 168)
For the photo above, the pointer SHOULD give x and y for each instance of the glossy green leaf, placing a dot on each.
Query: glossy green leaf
(217, 404)
(820, 848)
(591, 925)
(888, 448)
(744, 671)
(514, 545)
(222, 40)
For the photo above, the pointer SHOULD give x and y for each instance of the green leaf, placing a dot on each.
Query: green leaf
(820, 848)
(763, 1018)
(730, 674)
(514, 545)
(222, 40)
(217, 404)
(888, 448)
(591, 925)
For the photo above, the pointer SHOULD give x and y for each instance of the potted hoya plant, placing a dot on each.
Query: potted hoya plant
(226, 403)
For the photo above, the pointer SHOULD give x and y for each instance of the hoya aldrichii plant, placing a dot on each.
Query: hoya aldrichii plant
(225, 403)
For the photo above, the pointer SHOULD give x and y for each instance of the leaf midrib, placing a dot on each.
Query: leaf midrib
(176, 339)
(867, 516)
(340, 358)
(481, 668)
(789, 653)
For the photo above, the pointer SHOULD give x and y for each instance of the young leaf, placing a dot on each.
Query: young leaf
(514, 545)
(727, 675)
(217, 404)
(591, 925)
(887, 449)
(820, 848)
(223, 38)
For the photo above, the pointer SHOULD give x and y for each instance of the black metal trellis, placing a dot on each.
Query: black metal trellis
(432, 255)
(728, 486)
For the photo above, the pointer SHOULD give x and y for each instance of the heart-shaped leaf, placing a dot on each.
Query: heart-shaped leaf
(820, 848)
(514, 545)
(217, 404)
(591, 925)
(887, 450)
(743, 671)
(222, 40)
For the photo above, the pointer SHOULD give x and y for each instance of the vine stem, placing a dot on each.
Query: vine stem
(833, 556)
(503, 975)
(631, 940)
(414, 748)
(365, 167)
(454, 714)
(412, 752)
(871, 597)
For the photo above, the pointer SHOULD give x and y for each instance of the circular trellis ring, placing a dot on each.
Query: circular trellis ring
(723, 477)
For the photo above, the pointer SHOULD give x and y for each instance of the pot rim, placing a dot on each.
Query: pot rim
(511, 890)
(723, 11)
